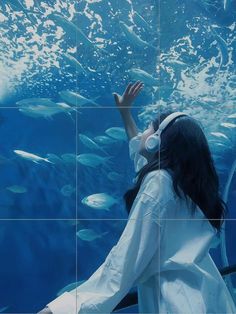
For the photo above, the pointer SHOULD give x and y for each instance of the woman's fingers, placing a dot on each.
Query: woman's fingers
(128, 88)
(131, 91)
(137, 89)
(116, 97)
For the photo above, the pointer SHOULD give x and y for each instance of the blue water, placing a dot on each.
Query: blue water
(194, 61)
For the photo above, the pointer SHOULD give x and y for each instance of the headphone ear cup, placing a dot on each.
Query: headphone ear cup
(152, 143)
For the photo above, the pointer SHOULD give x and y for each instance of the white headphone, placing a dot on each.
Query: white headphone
(153, 141)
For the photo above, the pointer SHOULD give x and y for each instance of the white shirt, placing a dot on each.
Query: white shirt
(163, 251)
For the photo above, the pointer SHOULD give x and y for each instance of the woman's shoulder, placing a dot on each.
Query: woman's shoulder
(163, 174)
(158, 183)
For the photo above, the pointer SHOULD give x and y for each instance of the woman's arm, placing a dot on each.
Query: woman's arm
(124, 103)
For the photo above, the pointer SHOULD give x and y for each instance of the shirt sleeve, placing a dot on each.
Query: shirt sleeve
(127, 260)
(134, 144)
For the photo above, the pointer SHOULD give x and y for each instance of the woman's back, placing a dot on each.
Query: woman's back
(182, 275)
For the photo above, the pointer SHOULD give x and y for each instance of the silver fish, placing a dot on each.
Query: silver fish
(69, 158)
(38, 111)
(90, 143)
(100, 201)
(89, 234)
(76, 99)
(93, 160)
(104, 140)
(29, 156)
(117, 133)
(133, 38)
(75, 64)
(16, 189)
(146, 78)
(47, 102)
(72, 31)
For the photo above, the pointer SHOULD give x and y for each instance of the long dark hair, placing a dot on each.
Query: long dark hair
(185, 154)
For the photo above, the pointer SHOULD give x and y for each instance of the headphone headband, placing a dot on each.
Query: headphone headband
(168, 119)
(153, 141)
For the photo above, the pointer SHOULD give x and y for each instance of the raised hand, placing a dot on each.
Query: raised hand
(124, 101)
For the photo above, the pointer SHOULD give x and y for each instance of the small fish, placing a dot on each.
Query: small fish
(117, 133)
(69, 158)
(76, 99)
(71, 30)
(141, 75)
(47, 102)
(67, 190)
(220, 135)
(36, 111)
(29, 156)
(232, 116)
(114, 176)
(89, 234)
(228, 125)
(133, 38)
(101, 201)
(70, 287)
(90, 143)
(93, 160)
(104, 140)
(75, 64)
(16, 189)
(54, 158)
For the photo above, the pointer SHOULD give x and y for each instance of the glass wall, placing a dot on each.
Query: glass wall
(65, 159)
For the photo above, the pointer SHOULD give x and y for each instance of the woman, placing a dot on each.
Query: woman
(175, 212)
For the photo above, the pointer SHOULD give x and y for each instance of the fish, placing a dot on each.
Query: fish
(16, 189)
(117, 133)
(74, 33)
(220, 135)
(41, 111)
(141, 75)
(232, 116)
(29, 156)
(176, 63)
(90, 143)
(76, 99)
(71, 30)
(28, 102)
(69, 158)
(114, 176)
(67, 190)
(75, 64)
(93, 160)
(133, 38)
(228, 125)
(89, 234)
(100, 201)
(104, 140)
(54, 158)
